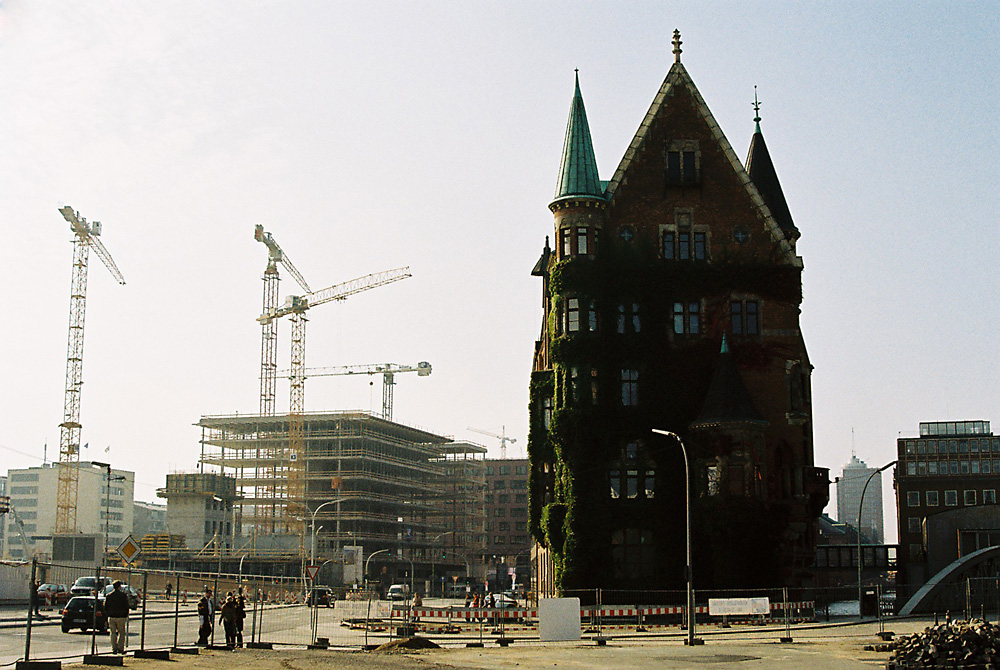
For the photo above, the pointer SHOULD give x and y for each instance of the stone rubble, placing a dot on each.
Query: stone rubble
(959, 644)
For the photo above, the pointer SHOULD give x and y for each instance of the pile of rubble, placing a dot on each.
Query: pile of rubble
(959, 644)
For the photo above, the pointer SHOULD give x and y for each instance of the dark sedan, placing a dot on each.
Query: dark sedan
(79, 613)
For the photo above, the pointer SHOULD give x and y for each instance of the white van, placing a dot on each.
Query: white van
(398, 592)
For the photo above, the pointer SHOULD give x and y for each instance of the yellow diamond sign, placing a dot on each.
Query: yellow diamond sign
(129, 549)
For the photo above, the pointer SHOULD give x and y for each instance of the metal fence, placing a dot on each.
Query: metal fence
(279, 611)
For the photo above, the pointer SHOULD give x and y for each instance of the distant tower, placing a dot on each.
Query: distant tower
(852, 481)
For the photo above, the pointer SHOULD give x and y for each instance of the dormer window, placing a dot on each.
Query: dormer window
(683, 162)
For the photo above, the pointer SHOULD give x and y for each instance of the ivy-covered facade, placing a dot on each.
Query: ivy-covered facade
(671, 298)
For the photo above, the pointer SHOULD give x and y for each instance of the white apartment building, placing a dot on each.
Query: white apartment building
(100, 511)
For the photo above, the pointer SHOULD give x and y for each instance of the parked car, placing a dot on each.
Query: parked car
(321, 596)
(85, 586)
(54, 595)
(398, 592)
(133, 595)
(503, 601)
(79, 613)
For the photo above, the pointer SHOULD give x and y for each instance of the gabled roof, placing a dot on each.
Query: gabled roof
(678, 76)
(578, 170)
(727, 400)
(765, 178)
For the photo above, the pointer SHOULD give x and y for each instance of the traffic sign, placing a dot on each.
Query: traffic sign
(129, 549)
(312, 571)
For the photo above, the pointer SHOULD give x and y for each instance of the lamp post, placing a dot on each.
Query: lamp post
(434, 559)
(689, 570)
(107, 506)
(860, 507)
(312, 541)
(370, 556)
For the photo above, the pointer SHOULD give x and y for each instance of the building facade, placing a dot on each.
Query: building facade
(850, 487)
(385, 487)
(508, 542)
(101, 511)
(671, 301)
(148, 519)
(946, 482)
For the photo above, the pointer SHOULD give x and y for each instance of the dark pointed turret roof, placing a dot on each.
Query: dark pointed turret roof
(727, 401)
(578, 171)
(542, 266)
(765, 178)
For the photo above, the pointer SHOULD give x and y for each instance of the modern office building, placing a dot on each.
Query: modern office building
(148, 519)
(671, 300)
(946, 496)
(850, 486)
(101, 511)
(508, 541)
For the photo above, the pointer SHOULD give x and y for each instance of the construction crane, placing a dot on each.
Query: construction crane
(502, 437)
(269, 330)
(295, 307)
(87, 238)
(387, 370)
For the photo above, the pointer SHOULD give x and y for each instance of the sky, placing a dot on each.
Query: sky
(368, 136)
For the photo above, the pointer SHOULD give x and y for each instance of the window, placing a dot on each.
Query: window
(684, 245)
(547, 412)
(581, 242)
(503, 525)
(986, 468)
(499, 484)
(951, 498)
(630, 387)
(585, 242)
(504, 470)
(744, 317)
(521, 498)
(520, 469)
(932, 468)
(519, 484)
(687, 318)
(932, 498)
(913, 524)
(633, 554)
(572, 323)
(913, 498)
(500, 511)
(990, 497)
(488, 498)
(499, 539)
(566, 242)
(682, 162)
(518, 512)
(969, 497)
(911, 468)
(628, 318)
(503, 498)
(579, 315)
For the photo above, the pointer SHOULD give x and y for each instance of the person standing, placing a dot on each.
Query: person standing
(35, 598)
(227, 616)
(206, 617)
(241, 614)
(116, 608)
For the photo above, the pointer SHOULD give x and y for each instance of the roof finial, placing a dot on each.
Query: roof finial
(756, 108)
(677, 46)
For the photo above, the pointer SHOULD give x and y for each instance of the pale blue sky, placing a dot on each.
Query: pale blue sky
(371, 135)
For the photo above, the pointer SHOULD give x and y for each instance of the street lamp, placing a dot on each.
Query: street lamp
(312, 542)
(107, 505)
(689, 571)
(434, 559)
(860, 507)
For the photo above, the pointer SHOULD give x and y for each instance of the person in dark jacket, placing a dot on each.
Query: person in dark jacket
(241, 614)
(35, 598)
(206, 617)
(228, 615)
(116, 607)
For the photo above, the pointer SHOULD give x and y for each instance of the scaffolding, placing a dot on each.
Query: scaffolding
(396, 487)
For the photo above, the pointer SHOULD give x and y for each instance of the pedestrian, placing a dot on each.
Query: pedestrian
(241, 614)
(170, 589)
(33, 603)
(227, 616)
(116, 608)
(206, 617)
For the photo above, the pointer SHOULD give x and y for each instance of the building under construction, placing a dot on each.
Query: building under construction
(396, 493)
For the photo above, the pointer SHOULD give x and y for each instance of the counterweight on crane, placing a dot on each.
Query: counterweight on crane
(502, 437)
(296, 306)
(387, 370)
(87, 238)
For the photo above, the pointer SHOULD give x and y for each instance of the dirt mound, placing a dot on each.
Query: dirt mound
(415, 642)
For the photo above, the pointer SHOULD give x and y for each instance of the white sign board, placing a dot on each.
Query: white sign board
(736, 606)
(558, 619)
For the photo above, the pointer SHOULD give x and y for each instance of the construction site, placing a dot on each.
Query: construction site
(346, 496)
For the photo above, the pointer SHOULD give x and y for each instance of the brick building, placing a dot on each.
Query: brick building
(946, 496)
(671, 301)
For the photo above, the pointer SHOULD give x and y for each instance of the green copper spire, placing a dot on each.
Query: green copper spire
(578, 172)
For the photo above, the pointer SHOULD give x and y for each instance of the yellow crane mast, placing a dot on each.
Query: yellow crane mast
(86, 238)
